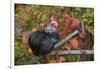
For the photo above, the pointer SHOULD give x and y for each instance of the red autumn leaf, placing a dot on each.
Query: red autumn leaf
(74, 43)
(69, 24)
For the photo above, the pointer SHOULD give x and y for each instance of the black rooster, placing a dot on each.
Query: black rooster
(43, 41)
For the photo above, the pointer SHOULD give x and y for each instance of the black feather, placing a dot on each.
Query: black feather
(41, 42)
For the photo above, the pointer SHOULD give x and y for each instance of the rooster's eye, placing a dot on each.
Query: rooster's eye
(52, 24)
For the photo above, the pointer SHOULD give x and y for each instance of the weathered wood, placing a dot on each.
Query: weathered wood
(83, 27)
(66, 38)
(65, 52)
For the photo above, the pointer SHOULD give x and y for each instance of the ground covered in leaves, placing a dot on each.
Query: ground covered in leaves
(30, 18)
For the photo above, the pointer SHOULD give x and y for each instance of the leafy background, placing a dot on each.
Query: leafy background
(34, 17)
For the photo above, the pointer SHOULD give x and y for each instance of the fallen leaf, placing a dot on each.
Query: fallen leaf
(61, 59)
(67, 46)
(29, 50)
(52, 61)
(34, 29)
(74, 43)
(90, 29)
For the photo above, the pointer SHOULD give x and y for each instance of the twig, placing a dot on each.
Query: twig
(66, 38)
(83, 27)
